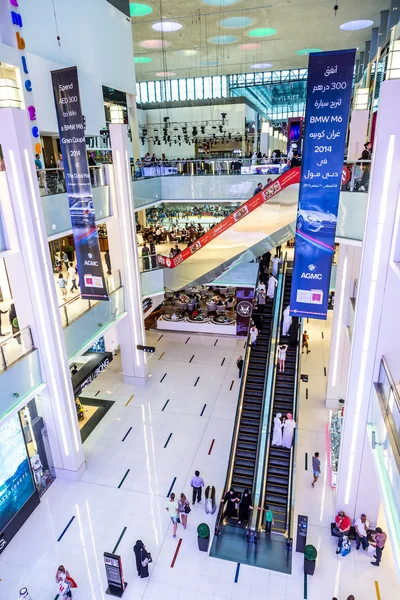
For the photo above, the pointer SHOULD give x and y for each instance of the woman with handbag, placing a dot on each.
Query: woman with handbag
(143, 558)
(64, 582)
(183, 509)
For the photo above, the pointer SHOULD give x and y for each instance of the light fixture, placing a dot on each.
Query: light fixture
(186, 52)
(261, 66)
(276, 134)
(142, 59)
(139, 10)
(306, 51)
(221, 3)
(117, 113)
(223, 40)
(165, 74)
(155, 44)
(262, 32)
(236, 22)
(356, 25)
(166, 26)
(361, 99)
(249, 47)
(209, 63)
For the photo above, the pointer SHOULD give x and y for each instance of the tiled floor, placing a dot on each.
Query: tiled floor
(149, 464)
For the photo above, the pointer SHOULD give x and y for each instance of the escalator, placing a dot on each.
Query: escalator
(279, 460)
(246, 451)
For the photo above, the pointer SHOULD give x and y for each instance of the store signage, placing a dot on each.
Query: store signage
(283, 181)
(330, 76)
(302, 526)
(92, 369)
(115, 575)
(16, 20)
(150, 349)
(77, 178)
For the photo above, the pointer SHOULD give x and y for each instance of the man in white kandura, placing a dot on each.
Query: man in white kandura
(287, 321)
(277, 437)
(288, 431)
(272, 284)
(275, 265)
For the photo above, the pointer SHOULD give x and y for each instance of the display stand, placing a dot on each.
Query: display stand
(115, 576)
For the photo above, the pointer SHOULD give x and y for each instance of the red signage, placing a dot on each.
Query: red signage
(289, 178)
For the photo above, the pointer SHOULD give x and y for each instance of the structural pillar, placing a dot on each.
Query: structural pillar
(34, 292)
(124, 256)
(376, 255)
(134, 123)
(141, 214)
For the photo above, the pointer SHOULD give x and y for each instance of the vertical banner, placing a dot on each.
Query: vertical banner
(330, 76)
(244, 308)
(77, 178)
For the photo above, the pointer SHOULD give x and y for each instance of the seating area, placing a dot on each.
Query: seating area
(352, 533)
(199, 304)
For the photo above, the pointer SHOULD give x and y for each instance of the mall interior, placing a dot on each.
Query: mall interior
(199, 264)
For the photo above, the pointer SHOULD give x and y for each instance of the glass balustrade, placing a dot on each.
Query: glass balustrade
(14, 347)
(52, 181)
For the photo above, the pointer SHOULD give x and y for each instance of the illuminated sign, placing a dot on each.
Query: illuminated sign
(16, 20)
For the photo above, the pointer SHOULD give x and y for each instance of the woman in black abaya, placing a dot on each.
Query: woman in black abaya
(142, 559)
(231, 500)
(245, 506)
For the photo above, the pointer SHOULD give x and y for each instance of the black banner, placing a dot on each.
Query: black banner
(77, 178)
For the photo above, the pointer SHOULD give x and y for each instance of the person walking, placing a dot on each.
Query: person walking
(107, 259)
(143, 558)
(258, 189)
(145, 257)
(272, 285)
(282, 349)
(277, 436)
(239, 364)
(316, 467)
(72, 277)
(342, 527)
(64, 582)
(253, 336)
(183, 509)
(269, 519)
(275, 265)
(380, 539)
(361, 526)
(172, 507)
(306, 337)
(197, 483)
(62, 284)
(245, 506)
(65, 260)
(288, 431)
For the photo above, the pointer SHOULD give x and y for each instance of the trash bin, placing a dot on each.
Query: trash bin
(203, 537)
(210, 505)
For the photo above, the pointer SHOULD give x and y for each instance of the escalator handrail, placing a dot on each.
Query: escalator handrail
(289, 513)
(260, 515)
(269, 377)
(235, 434)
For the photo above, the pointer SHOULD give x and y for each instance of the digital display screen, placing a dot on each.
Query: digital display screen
(295, 131)
(16, 484)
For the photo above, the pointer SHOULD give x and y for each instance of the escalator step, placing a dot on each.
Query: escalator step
(273, 479)
(279, 490)
(276, 500)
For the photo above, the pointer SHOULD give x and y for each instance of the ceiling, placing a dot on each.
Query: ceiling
(299, 24)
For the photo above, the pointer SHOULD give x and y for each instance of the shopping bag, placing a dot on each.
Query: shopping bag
(346, 546)
(72, 582)
(63, 588)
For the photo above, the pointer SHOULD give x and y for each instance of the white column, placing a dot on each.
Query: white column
(264, 138)
(134, 123)
(358, 133)
(124, 256)
(4, 283)
(32, 284)
(364, 364)
(142, 217)
(347, 272)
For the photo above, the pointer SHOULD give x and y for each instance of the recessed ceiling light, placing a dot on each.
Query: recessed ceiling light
(355, 25)
(220, 2)
(223, 39)
(186, 52)
(306, 51)
(139, 10)
(249, 47)
(261, 66)
(142, 59)
(262, 32)
(167, 26)
(165, 74)
(209, 63)
(154, 44)
(236, 22)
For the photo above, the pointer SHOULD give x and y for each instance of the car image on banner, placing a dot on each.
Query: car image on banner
(310, 219)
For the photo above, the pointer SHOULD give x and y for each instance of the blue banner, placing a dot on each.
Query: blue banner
(330, 76)
(77, 179)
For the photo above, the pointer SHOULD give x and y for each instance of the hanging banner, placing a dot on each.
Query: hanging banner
(280, 183)
(244, 309)
(77, 179)
(330, 76)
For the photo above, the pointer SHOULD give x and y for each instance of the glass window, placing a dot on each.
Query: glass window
(158, 96)
(199, 88)
(190, 89)
(152, 96)
(166, 90)
(224, 87)
(216, 83)
(207, 87)
(182, 89)
(174, 89)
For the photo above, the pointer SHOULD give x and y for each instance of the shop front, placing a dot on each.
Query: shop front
(90, 410)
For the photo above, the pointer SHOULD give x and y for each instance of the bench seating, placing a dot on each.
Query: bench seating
(352, 533)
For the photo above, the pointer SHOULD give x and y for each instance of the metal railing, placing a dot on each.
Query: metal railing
(15, 346)
(208, 166)
(52, 181)
(389, 401)
(76, 307)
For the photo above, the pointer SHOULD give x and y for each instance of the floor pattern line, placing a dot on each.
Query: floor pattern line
(306, 393)
(197, 381)
(233, 381)
(305, 586)
(176, 553)
(129, 400)
(160, 337)
(160, 357)
(119, 540)
(123, 479)
(165, 405)
(163, 377)
(170, 489)
(377, 591)
(166, 443)
(191, 358)
(204, 408)
(187, 340)
(306, 461)
(211, 447)
(223, 360)
(97, 393)
(237, 573)
(126, 435)
(216, 342)
(66, 528)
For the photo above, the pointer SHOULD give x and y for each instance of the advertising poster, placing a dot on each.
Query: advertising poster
(286, 179)
(244, 308)
(330, 76)
(77, 179)
(16, 484)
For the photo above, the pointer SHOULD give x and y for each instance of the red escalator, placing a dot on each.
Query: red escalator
(289, 178)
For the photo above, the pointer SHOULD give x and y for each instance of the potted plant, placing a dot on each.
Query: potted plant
(203, 537)
(310, 555)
